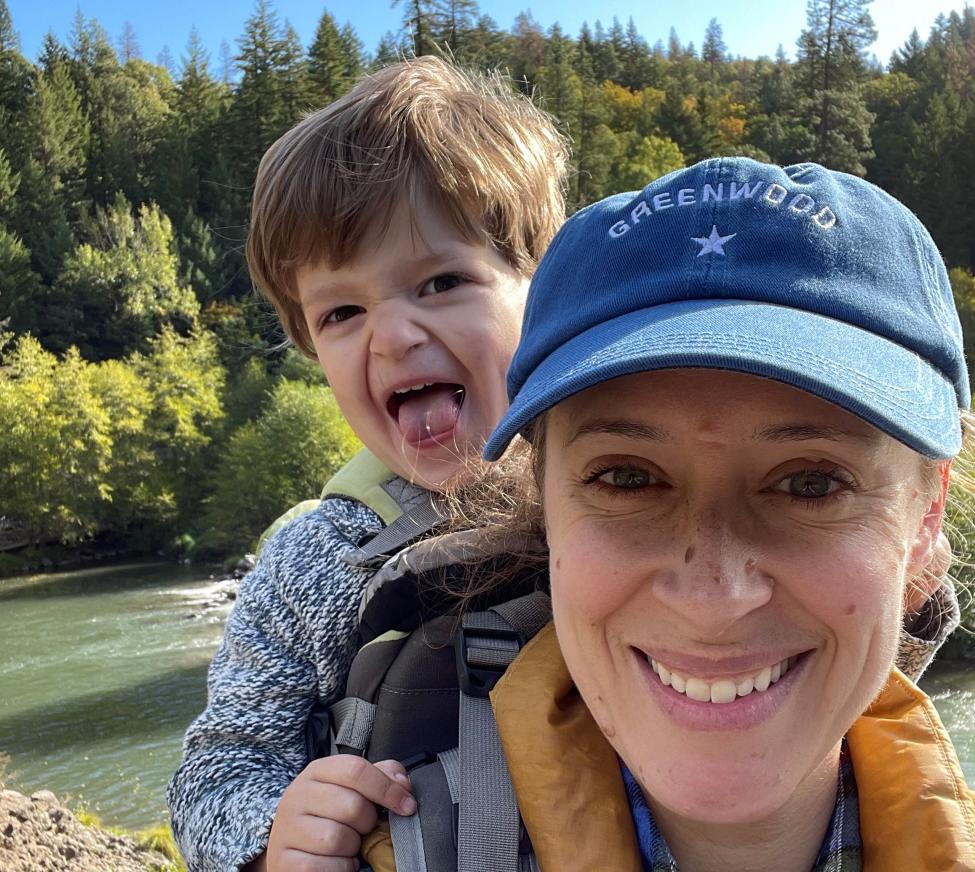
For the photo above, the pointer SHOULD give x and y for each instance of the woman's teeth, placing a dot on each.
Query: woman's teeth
(722, 690)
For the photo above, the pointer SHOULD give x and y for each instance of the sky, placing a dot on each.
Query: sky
(751, 27)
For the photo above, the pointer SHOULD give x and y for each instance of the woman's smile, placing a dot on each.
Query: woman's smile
(729, 557)
(732, 701)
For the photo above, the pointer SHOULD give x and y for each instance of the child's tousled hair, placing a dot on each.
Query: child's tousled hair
(491, 161)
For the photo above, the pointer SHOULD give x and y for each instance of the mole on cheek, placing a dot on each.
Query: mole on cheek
(689, 554)
(850, 609)
(558, 562)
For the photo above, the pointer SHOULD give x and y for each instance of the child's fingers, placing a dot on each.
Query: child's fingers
(341, 804)
(325, 837)
(362, 776)
(296, 860)
(395, 770)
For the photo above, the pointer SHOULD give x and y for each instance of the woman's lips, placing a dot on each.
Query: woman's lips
(727, 702)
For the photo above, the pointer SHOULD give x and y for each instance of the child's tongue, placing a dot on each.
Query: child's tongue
(429, 413)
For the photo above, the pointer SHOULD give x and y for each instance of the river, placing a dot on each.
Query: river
(102, 669)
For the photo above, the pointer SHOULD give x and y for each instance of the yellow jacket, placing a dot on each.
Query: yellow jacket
(916, 812)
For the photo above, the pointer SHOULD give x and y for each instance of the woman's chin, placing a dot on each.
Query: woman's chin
(720, 794)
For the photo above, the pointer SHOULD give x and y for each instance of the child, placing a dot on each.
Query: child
(394, 231)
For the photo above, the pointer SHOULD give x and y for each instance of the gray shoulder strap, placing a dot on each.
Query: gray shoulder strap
(489, 824)
(419, 517)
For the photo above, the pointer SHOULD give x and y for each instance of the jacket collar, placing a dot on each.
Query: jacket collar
(915, 810)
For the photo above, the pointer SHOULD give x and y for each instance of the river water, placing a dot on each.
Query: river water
(101, 671)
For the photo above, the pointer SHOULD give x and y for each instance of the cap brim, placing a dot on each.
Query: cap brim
(882, 382)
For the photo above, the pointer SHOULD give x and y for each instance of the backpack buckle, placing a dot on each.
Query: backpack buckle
(483, 654)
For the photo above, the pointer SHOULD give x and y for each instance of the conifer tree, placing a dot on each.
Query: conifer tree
(327, 62)
(713, 49)
(420, 24)
(831, 54)
(128, 44)
(354, 55)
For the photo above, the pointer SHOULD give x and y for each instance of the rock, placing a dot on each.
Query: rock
(38, 833)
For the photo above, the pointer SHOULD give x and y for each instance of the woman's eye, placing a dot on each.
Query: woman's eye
(626, 478)
(810, 484)
(342, 313)
(439, 284)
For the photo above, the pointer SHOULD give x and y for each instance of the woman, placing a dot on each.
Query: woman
(742, 390)
(743, 387)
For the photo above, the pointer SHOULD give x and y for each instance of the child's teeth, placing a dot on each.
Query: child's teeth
(722, 690)
(414, 388)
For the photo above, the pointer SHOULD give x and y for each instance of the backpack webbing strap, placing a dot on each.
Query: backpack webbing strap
(450, 760)
(488, 820)
(419, 517)
(407, 843)
(352, 721)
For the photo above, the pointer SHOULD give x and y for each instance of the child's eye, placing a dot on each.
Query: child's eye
(814, 484)
(439, 284)
(342, 313)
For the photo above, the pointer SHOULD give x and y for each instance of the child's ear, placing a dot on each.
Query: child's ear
(930, 555)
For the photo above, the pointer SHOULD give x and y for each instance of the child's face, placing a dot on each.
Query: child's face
(415, 335)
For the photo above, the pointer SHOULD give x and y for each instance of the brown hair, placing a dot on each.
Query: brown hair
(492, 162)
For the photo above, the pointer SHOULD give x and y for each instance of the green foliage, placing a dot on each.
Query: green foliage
(285, 455)
(108, 446)
(647, 159)
(55, 446)
(123, 287)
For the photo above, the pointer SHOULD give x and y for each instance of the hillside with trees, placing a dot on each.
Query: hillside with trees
(144, 394)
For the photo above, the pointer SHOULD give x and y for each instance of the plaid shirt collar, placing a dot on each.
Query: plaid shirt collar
(842, 849)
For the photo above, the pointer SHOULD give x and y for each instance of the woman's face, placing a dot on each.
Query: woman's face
(728, 558)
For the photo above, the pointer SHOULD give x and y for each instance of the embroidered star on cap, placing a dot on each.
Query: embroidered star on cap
(713, 244)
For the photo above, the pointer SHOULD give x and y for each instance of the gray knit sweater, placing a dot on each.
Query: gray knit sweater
(289, 641)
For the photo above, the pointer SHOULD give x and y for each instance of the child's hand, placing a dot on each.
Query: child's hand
(323, 815)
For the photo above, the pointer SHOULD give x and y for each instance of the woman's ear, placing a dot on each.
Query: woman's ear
(930, 555)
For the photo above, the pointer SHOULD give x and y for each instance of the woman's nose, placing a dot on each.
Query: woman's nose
(716, 577)
(395, 330)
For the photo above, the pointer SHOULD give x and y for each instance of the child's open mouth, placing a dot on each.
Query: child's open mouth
(426, 410)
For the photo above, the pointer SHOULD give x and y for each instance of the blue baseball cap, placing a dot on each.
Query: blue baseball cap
(800, 274)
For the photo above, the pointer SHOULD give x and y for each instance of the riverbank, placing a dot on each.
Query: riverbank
(38, 833)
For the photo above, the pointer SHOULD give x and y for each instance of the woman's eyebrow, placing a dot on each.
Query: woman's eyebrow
(625, 427)
(808, 432)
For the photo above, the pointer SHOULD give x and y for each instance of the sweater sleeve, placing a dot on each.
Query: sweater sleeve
(289, 642)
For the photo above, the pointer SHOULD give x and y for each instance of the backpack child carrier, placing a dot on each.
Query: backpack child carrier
(418, 692)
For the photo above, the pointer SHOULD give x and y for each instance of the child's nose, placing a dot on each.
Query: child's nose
(395, 332)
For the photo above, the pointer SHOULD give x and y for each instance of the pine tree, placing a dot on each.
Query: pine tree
(831, 52)
(419, 21)
(354, 55)
(128, 44)
(527, 53)
(713, 49)
(260, 114)
(9, 41)
(454, 19)
(295, 88)
(327, 62)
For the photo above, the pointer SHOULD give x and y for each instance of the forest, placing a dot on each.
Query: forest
(146, 396)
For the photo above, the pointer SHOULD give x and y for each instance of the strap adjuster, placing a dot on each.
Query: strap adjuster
(480, 666)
